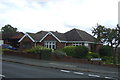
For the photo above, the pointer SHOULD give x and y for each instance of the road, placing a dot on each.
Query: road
(16, 70)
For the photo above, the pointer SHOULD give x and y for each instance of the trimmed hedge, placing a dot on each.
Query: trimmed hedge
(92, 55)
(106, 51)
(81, 51)
(44, 52)
(69, 50)
(39, 49)
(59, 53)
(76, 51)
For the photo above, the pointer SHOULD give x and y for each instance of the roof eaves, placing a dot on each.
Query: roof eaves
(48, 34)
(26, 34)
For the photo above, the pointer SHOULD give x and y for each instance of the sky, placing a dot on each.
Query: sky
(58, 15)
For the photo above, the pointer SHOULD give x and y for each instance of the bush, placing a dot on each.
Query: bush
(59, 53)
(106, 51)
(39, 49)
(81, 51)
(107, 59)
(76, 51)
(69, 50)
(92, 55)
(4, 49)
(44, 52)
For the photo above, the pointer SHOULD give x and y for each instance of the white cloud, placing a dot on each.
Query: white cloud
(36, 15)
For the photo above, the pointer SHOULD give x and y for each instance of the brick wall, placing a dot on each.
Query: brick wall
(51, 38)
(27, 41)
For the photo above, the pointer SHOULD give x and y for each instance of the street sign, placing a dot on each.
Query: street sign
(96, 59)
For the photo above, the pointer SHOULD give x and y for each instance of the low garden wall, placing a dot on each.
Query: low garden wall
(22, 54)
(55, 58)
(84, 61)
(74, 60)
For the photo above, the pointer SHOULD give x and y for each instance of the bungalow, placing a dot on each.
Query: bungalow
(56, 40)
(12, 38)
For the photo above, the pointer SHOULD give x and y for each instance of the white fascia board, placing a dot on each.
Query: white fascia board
(48, 34)
(55, 36)
(30, 37)
(44, 37)
(22, 38)
(77, 41)
(25, 36)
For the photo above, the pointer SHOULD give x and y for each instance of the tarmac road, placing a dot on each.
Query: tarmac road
(16, 70)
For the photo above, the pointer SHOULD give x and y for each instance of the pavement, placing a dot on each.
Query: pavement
(61, 65)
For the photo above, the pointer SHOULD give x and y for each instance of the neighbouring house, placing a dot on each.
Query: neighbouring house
(12, 38)
(56, 40)
(1, 41)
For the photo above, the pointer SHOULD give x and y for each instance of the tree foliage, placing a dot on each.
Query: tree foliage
(107, 35)
(8, 29)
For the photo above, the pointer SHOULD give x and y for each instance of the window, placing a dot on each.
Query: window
(86, 44)
(50, 44)
(76, 44)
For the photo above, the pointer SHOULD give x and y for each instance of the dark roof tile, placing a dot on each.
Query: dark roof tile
(72, 35)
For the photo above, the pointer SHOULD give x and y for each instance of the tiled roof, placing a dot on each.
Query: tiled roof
(60, 36)
(40, 35)
(79, 35)
(72, 35)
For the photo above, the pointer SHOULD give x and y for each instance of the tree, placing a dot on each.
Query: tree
(108, 35)
(99, 33)
(8, 29)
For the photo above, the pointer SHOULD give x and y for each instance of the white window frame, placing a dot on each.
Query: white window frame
(76, 44)
(50, 44)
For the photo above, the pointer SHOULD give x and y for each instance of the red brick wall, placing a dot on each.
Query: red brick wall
(60, 45)
(68, 44)
(97, 47)
(51, 38)
(26, 40)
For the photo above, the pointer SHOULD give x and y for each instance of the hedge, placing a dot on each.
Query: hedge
(81, 51)
(69, 50)
(76, 51)
(106, 51)
(44, 52)
(59, 53)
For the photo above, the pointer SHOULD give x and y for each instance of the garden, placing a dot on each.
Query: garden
(106, 53)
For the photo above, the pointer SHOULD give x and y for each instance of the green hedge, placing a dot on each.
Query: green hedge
(92, 55)
(69, 50)
(59, 53)
(106, 51)
(107, 60)
(39, 49)
(81, 51)
(76, 51)
(45, 53)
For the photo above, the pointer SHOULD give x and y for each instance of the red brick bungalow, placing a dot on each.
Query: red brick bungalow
(12, 38)
(56, 40)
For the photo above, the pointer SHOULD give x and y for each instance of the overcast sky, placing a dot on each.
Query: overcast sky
(58, 15)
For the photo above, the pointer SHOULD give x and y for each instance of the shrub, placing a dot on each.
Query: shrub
(39, 49)
(44, 52)
(76, 51)
(107, 59)
(92, 55)
(59, 53)
(69, 50)
(81, 51)
(4, 49)
(106, 51)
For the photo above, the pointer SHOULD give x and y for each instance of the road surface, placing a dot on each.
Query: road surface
(16, 70)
